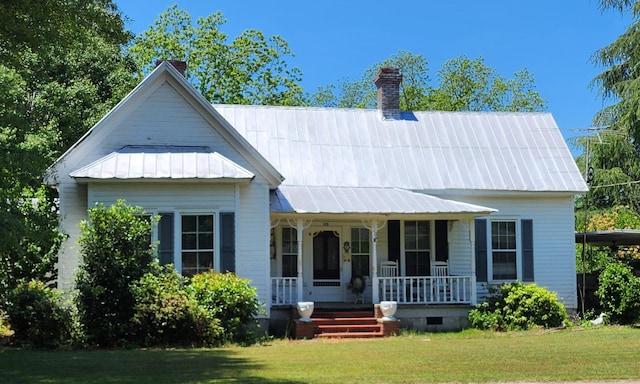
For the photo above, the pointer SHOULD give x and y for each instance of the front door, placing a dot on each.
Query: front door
(327, 266)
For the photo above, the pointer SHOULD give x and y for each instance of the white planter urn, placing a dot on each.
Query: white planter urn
(388, 309)
(305, 310)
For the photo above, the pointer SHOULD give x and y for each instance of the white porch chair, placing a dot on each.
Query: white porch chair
(389, 269)
(440, 273)
(440, 269)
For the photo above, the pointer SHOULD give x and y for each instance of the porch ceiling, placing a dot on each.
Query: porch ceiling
(345, 200)
(163, 162)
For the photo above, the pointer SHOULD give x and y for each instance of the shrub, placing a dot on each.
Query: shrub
(519, 306)
(619, 293)
(115, 251)
(37, 316)
(229, 299)
(165, 314)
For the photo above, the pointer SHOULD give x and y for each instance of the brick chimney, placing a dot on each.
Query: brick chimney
(181, 66)
(388, 83)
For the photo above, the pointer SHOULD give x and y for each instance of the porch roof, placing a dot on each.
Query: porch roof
(300, 199)
(611, 238)
(136, 162)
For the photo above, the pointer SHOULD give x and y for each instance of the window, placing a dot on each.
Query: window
(359, 252)
(504, 250)
(289, 252)
(417, 247)
(197, 244)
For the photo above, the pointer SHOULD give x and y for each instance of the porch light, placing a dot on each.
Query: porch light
(346, 246)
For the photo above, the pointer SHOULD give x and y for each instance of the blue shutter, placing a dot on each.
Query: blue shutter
(227, 242)
(527, 251)
(165, 238)
(481, 250)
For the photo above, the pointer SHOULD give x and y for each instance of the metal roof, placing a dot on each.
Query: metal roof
(163, 162)
(365, 200)
(420, 151)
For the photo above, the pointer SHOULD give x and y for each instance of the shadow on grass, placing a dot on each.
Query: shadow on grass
(129, 366)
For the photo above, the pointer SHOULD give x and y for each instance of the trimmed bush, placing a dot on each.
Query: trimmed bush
(519, 306)
(619, 293)
(229, 299)
(37, 317)
(166, 315)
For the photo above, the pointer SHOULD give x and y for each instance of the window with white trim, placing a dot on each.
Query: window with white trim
(197, 243)
(289, 252)
(360, 249)
(417, 247)
(504, 250)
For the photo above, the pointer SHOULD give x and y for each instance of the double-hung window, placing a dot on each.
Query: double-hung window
(504, 250)
(360, 249)
(289, 252)
(417, 247)
(197, 243)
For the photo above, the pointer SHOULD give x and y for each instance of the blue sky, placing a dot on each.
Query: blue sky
(337, 39)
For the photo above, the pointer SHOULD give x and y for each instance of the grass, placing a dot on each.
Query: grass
(598, 353)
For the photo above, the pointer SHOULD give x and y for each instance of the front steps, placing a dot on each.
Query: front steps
(345, 323)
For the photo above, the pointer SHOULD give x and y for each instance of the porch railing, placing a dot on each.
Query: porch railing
(426, 289)
(404, 290)
(284, 290)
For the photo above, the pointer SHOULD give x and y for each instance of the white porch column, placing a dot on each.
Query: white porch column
(374, 228)
(472, 241)
(299, 229)
(375, 295)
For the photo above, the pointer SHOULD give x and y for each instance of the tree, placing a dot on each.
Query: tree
(463, 85)
(250, 69)
(470, 85)
(620, 81)
(62, 69)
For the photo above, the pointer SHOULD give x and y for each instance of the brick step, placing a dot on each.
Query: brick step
(347, 335)
(345, 320)
(340, 314)
(348, 328)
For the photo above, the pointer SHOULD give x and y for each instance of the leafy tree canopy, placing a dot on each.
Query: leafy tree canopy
(61, 70)
(463, 84)
(249, 69)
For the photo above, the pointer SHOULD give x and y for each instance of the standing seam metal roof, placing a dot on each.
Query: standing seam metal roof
(332, 147)
(163, 162)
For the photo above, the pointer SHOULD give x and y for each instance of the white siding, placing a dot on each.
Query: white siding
(460, 252)
(252, 238)
(553, 239)
(165, 196)
(73, 209)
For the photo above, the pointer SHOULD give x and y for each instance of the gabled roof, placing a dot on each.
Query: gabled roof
(155, 163)
(163, 73)
(421, 151)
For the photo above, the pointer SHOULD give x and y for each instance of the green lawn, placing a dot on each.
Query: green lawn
(576, 354)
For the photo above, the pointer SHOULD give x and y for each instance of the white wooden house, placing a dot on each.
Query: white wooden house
(302, 200)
